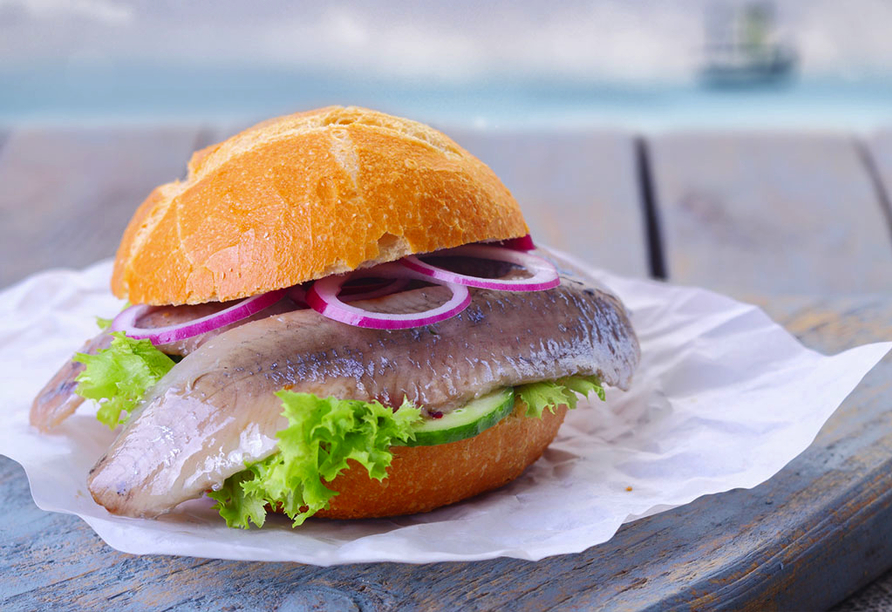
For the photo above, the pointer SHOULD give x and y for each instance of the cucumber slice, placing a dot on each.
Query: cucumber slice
(466, 422)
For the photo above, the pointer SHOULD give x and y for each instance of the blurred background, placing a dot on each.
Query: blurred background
(743, 146)
(645, 64)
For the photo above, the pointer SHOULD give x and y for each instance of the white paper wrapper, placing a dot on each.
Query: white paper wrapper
(724, 398)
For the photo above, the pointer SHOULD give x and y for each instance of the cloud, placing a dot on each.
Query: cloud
(103, 11)
(581, 41)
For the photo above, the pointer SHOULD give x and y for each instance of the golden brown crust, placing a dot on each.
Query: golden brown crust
(304, 196)
(422, 478)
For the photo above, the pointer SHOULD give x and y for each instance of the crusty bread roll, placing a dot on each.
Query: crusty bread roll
(422, 478)
(304, 196)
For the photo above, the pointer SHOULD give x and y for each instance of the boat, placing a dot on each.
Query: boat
(744, 47)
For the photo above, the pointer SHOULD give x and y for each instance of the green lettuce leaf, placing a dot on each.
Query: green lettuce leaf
(103, 323)
(118, 377)
(321, 436)
(237, 506)
(552, 393)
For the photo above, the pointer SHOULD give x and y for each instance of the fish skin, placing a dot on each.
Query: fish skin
(57, 400)
(215, 410)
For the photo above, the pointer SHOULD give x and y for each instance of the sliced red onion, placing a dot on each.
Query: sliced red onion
(524, 243)
(297, 294)
(545, 276)
(126, 320)
(323, 298)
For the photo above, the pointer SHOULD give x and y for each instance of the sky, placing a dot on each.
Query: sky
(456, 41)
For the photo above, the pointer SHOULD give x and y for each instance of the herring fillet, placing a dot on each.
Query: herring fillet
(57, 400)
(215, 410)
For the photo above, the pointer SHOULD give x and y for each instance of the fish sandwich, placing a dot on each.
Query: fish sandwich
(337, 313)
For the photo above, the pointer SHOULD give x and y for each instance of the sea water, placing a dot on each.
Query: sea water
(140, 93)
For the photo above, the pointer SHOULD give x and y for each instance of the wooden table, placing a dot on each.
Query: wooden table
(799, 223)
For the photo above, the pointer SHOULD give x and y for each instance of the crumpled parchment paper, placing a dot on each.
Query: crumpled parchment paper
(724, 398)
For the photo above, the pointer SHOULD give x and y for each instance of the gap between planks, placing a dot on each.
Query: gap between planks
(650, 211)
(873, 171)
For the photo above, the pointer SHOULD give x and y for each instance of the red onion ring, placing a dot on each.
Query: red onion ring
(524, 243)
(297, 294)
(126, 319)
(545, 276)
(323, 298)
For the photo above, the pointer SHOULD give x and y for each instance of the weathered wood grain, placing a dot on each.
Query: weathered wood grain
(68, 194)
(803, 540)
(770, 213)
(579, 191)
(877, 596)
